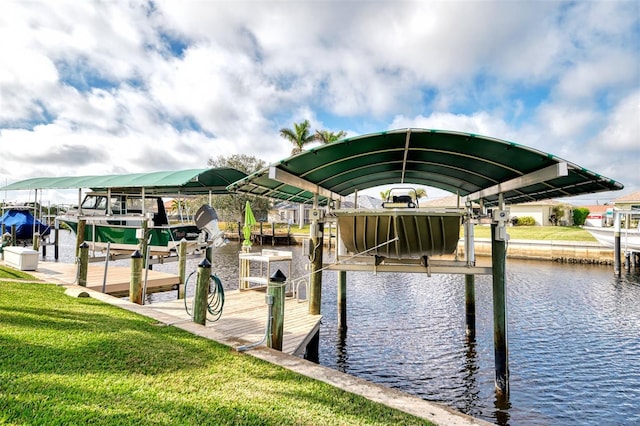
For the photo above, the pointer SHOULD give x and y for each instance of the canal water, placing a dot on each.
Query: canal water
(574, 338)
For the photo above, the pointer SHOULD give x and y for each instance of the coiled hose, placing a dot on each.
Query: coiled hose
(215, 301)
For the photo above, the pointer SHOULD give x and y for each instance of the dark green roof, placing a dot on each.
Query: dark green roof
(458, 162)
(192, 181)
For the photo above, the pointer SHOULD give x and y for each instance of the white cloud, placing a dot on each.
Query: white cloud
(95, 88)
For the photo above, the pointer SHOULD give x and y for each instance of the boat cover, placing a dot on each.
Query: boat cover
(23, 219)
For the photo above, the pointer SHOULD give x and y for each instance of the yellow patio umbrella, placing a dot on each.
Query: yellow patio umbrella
(249, 220)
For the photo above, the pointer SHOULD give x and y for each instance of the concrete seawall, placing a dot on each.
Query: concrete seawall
(554, 250)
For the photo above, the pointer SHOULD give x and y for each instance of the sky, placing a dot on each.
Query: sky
(109, 87)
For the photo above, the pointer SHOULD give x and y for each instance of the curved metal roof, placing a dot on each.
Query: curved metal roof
(191, 181)
(476, 166)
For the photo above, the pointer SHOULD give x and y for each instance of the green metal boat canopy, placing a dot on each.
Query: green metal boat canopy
(476, 167)
(185, 182)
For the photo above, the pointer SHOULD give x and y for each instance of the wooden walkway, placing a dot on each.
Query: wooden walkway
(244, 319)
(244, 316)
(118, 277)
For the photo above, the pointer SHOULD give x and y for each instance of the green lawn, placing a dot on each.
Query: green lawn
(67, 360)
(565, 233)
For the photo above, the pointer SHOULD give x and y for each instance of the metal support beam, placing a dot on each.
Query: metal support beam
(542, 175)
(293, 180)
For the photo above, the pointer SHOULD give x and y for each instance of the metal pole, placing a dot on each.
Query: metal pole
(616, 245)
(106, 267)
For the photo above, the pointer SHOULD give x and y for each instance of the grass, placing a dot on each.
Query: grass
(564, 233)
(70, 361)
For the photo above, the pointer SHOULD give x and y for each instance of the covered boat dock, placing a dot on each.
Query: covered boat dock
(491, 172)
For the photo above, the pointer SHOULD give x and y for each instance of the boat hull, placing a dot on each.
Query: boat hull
(122, 237)
(629, 238)
(399, 233)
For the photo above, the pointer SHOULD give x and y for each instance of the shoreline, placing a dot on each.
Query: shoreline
(584, 252)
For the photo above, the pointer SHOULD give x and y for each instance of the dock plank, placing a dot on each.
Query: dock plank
(244, 318)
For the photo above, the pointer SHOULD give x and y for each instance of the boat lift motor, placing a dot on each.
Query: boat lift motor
(207, 219)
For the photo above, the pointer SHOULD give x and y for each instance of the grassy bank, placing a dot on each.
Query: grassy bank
(562, 233)
(70, 360)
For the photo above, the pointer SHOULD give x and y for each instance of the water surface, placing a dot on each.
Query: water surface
(574, 338)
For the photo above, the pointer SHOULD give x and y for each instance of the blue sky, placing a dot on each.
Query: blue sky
(132, 86)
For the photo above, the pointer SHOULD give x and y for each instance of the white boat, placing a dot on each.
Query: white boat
(115, 220)
(629, 238)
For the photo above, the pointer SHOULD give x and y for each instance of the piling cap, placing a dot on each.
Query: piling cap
(205, 263)
(84, 245)
(278, 277)
(136, 254)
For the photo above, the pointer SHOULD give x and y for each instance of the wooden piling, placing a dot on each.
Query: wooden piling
(202, 291)
(56, 245)
(500, 343)
(342, 300)
(315, 285)
(276, 290)
(82, 224)
(84, 264)
(182, 267)
(135, 283)
(13, 235)
(470, 305)
(617, 267)
(36, 241)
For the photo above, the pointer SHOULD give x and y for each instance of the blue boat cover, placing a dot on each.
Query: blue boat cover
(23, 220)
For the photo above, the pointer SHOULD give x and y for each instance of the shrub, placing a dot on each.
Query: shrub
(580, 215)
(526, 221)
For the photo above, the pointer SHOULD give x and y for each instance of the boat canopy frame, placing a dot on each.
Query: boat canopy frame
(176, 182)
(478, 168)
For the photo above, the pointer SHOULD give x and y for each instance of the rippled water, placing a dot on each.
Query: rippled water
(574, 338)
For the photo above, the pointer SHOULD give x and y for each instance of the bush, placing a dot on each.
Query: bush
(580, 216)
(526, 221)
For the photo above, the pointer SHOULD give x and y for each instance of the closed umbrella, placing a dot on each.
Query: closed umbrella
(249, 220)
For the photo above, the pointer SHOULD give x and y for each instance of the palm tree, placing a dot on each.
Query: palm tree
(385, 194)
(327, 136)
(416, 194)
(299, 136)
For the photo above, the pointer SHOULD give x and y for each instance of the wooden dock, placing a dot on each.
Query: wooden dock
(243, 320)
(117, 282)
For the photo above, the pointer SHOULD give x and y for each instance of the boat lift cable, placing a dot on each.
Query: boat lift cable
(215, 301)
(296, 281)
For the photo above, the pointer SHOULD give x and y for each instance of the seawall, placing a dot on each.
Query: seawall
(554, 250)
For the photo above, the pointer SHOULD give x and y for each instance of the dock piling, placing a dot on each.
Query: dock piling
(277, 285)
(182, 267)
(83, 266)
(202, 291)
(470, 305)
(342, 300)
(500, 345)
(315, 285)
(135, 284)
